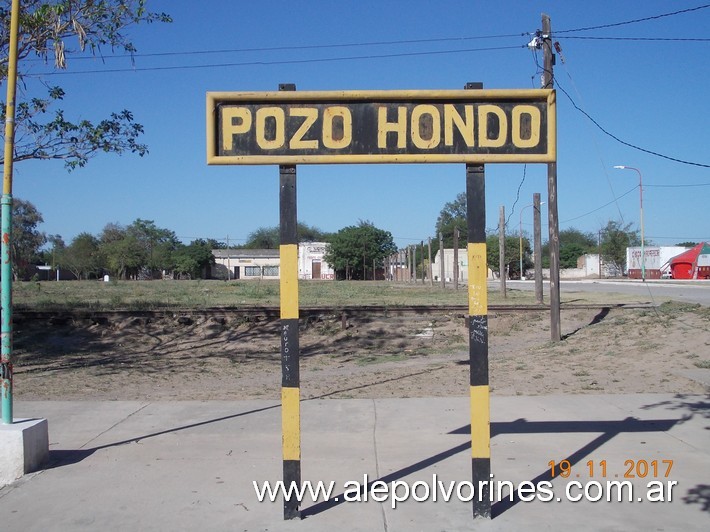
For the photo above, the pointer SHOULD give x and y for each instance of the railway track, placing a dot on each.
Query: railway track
(268, 313)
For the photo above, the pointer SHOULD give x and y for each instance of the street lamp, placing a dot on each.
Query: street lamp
(520, 233)
(643, 248)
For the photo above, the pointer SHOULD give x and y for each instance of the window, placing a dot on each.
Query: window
(252, 271)
(271, 271)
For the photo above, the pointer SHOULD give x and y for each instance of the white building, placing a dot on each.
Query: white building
(266, 263)
(311, 264)
(448, 257)
(246, 264)
(656, 263)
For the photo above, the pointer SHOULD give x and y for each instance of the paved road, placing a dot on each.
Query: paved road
(655, 291)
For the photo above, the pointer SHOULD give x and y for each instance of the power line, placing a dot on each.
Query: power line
(681, 186)
(276, 62)
(302, 47)
(672, 39)
(615, 24)
(622, 141)
(600, 208)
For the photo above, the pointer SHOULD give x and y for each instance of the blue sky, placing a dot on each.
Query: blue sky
(650, 93)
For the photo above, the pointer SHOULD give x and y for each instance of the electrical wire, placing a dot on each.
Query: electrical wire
(596, 146)
(681, 186)
(302, 47)
(275, 62)
(660, 39)
(517, 195)
(650, 152)
(645, 19)
(600, 208)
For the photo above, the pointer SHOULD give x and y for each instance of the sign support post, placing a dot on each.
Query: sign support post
(475, 127)
(290, 374)
(290, 351)
(478, 337)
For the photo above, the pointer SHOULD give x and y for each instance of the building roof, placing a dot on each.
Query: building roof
(246, 253)
(691, 256)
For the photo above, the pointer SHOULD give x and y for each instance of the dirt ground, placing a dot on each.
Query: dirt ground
(226, 357)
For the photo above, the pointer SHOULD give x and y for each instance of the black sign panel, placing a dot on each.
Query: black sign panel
(416, 126)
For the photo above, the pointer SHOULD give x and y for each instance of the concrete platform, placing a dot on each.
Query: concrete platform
(24, 447)
(191, 465)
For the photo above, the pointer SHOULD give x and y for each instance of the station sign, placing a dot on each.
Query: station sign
(331, 127)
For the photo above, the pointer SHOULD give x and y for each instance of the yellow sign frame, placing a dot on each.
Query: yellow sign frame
(478, 96)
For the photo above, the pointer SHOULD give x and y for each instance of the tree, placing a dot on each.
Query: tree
(615, 239)
(81, 257)
(121, 253)
(26, 238)
(512, 255)
(45, 28)
(194, 259)
(158, 245)
(269, 237)
(353, 249)
(573, 244)
(51, 255)
(452, 215)
(687, 244)
(263, 238)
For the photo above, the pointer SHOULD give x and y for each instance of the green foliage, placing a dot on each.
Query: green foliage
(82, 256)
(615, 239)
(45, 26)
(452, 215)
(194, 259)
(353, 249)
(269, 237)
(512, 255)
(141, 249)
(687, 244)
(573, 244)
(26, 238)
(569, 253)
(158, 244)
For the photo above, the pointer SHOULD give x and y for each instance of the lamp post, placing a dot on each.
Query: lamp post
(643, 247)
(520, 233)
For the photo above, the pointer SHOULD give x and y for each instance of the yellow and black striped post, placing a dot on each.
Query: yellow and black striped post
(290, 378)
(478, 338)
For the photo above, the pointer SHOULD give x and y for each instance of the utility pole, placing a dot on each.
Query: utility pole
(554, 227)
(414, 262)
(537, 248)
(456, 258)
(441, 256)
(431, 277)
(501, 250)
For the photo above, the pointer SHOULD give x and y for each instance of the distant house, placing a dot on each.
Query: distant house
(266, 263)
(692, 264)
(311, 262)
(656, 260)
(448, 258)
(246, 264)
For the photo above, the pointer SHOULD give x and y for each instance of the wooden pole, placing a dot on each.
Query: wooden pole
(431, 277)
(501, 250)
(537, 251)
(456, 258)
(554, 228)
(441, 263)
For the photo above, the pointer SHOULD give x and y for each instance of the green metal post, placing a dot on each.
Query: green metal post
(6, 208)
(6, 318)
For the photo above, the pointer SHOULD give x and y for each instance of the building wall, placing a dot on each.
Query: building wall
(449, 266)
(311, 261)
(656, 262)
(266, 264)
